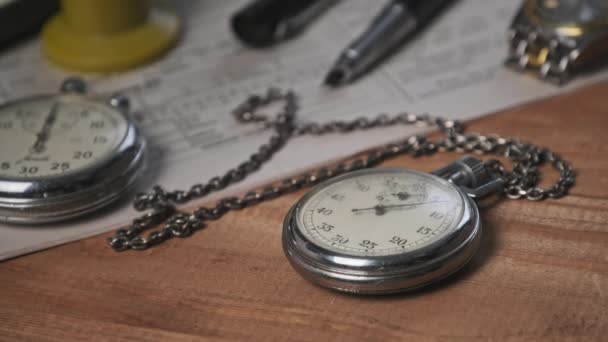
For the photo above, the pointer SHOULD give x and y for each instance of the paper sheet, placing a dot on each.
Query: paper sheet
(183, 101)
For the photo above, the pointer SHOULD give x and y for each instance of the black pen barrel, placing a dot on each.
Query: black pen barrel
(387, 30)
(397, 22)
(424, 10)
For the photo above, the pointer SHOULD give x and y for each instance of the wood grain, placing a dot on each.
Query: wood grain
(541, 274)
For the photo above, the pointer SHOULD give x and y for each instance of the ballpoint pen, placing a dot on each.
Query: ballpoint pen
(397, 22)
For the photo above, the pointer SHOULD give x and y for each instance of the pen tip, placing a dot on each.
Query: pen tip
(335, 77)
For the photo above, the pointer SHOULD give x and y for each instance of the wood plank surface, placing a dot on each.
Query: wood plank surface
(541, 273)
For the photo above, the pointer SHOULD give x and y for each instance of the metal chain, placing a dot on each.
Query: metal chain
(520, 182)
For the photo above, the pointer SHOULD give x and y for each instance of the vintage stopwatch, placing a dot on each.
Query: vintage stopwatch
(388, 230)
(66, 154)
(361, 229)
(555, 39)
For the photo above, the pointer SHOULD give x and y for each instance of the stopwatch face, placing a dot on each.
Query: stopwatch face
(380, 212)
(52, 136)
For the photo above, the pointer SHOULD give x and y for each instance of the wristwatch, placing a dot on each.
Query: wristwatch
(557, 38)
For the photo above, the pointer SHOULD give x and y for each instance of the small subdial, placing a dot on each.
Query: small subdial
(33, 121)
(399, 194)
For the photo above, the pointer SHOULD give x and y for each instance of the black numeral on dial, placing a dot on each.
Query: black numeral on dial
(339, 239)
(337, 197)
(398, 241)
(100, 139)
(437, 215)
(368, 244)
(325, 211)
(424, 230)
(97, 124)
(60, 166)
(82, 155)
(326, 227)
(31, 170)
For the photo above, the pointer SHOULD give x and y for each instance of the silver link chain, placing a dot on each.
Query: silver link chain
(522, 181)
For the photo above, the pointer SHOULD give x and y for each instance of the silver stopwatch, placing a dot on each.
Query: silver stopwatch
(364, 230)
(388, 230)
(65, 155)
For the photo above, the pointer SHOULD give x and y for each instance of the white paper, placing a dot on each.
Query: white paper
(183, 102)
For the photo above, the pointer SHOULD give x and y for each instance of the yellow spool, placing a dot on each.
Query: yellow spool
(104, 36)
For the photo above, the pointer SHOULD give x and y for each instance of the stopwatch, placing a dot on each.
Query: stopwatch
(67, 154)
(388, 230)
(363, 229)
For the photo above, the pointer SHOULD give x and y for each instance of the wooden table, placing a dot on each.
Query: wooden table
(541, 273)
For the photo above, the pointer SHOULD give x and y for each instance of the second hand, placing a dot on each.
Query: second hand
(381, 209)
(43, 135)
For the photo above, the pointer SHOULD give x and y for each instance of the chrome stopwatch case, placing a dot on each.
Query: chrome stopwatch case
(65, 155)
(388, 230)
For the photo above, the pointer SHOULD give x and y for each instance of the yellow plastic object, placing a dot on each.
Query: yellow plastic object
(104, 36)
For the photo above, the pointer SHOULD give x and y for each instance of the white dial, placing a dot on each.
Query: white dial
(55, 135)
(382, 212)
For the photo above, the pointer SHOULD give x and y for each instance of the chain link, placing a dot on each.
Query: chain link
(520, 182)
